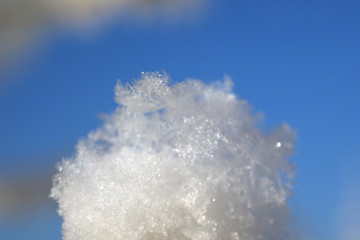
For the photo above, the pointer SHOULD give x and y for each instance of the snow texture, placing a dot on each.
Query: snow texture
(178, 162)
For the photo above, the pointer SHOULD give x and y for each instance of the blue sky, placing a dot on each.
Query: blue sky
(295, 61)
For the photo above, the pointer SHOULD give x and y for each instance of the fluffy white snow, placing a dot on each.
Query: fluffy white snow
(183, 161)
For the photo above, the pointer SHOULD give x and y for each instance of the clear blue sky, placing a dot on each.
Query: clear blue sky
(295, 61)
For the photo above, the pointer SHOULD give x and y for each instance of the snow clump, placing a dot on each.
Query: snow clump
(185, 161)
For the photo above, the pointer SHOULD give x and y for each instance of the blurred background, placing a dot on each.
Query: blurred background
(295, 61)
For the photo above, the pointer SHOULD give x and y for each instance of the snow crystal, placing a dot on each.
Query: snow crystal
(181, 161)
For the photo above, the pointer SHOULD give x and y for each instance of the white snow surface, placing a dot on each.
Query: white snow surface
(177, 161)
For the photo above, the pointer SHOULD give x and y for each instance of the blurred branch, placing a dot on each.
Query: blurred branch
(22, 22)
(21, 193)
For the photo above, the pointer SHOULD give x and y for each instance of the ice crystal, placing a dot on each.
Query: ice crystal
(177, 162)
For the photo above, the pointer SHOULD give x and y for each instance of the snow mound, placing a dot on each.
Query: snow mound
(177, 162)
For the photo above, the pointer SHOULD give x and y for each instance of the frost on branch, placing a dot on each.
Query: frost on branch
(177, 162)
